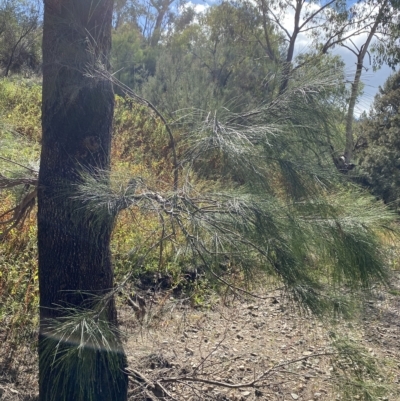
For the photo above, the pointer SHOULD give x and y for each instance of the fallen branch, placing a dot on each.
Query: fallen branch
(156, 389)
(159, 391)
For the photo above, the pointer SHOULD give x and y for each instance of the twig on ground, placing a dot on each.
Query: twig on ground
(253, 383)
(159, 391)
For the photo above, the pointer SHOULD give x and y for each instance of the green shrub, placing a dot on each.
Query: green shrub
(20, 105)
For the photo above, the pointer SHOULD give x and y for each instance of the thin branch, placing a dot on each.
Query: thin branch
(129, 92)
(276, 20)
(351, 40)
(349, 48)
(240, 289)
(307, 20)
(253, 383)
(18, 164)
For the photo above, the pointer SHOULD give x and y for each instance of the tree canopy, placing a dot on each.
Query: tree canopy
(379, 143)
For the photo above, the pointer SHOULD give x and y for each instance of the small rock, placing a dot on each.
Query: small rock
(246, 393)
(294, 396)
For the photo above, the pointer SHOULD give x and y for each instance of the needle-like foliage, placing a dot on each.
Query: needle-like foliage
(80, 345)
(275, 201)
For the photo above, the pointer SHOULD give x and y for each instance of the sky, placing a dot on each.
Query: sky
(371, 79)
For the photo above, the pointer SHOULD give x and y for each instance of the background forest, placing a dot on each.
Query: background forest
(239, 164)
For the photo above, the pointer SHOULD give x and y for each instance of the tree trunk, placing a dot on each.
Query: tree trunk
(287, 67)
(75, 268)
(162, 9)
(155, 37)
(348, 152)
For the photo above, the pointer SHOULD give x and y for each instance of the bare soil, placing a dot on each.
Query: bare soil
(236, 348)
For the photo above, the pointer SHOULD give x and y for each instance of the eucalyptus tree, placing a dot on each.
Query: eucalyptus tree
(128, 12)
(305, 18)
(330, 24)
(79, 358)
(374, 25)
(150, 16)
(161, 8)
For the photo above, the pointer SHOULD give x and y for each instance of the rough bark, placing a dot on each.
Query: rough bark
(74, 254)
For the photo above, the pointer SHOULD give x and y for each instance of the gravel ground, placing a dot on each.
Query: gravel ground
(234, 349)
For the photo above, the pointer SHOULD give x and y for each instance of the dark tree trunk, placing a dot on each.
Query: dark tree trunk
(74, 254)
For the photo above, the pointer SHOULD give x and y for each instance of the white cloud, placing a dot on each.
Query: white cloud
(199, 8)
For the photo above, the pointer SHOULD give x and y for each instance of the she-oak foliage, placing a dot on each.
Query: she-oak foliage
(275, 202)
